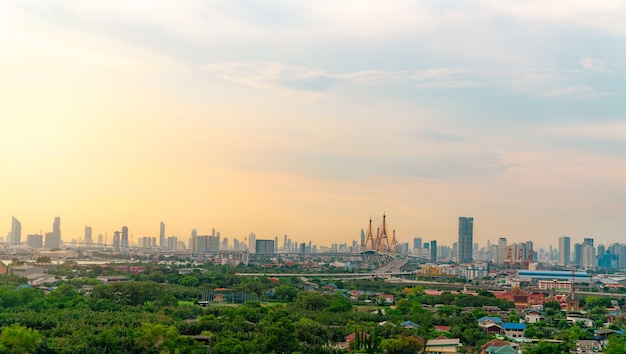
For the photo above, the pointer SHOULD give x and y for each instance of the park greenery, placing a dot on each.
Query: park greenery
(157, 311)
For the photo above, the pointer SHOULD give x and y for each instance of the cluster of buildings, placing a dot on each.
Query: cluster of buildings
(51, 240)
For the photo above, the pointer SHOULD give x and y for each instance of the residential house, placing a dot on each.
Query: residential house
(497, 346)
(588, 346)
(514, 330)
(442, 345)
(443, 328)
(387, 298)
(574, 318)
(487, 321)
(409, 325)
(532, 317)
(493, 329)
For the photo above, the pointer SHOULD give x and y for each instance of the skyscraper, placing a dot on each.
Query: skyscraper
(588, 254)
(16, 231)
(466, 239)
(124, 242)
(252, 242)
(417, 243)
(56, 226)
(433, 250)
(52, 239)
(88, 238)
(162, 235)
(564, 250)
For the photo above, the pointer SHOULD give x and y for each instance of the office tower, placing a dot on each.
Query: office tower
(502, 250)
(265, 246)
(276, 243)
(88, 238)
(56, 226)
(417, 243)
(362, 238)
(124, 240)
(224, 244)
(34, 241)
(578, 254)
(285, 243)
(251, 242)
(192, 240)
(601, 250)
(100, 239)
(116, 241)
(213, 232)
(466, 239)
(588, 254)
(433, 250)
(172, 243)
(52, 240)
(455, 250)
(162, 235)
(16, 232)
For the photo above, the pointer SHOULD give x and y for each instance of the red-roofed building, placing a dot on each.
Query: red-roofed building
(442, 329)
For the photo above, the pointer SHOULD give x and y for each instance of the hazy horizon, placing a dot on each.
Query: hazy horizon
(307, 119)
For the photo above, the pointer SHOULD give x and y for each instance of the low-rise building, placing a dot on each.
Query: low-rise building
(442, 345)
(514, 330)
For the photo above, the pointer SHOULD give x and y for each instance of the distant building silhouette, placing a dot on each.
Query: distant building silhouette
(162, 235)
(466, 239)
(564, 250)
(16, 232)
(124, 241)
(433, 250)
(34, 241)
(88, 236)
(265, 246)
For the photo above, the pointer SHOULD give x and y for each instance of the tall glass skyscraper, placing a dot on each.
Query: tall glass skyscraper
(564, 250)
(16, 232)
(466, 239)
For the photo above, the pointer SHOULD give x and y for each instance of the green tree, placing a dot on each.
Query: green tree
(616, 345)
(286, 293)
(19, 339)
(400, 345)
(513, 317)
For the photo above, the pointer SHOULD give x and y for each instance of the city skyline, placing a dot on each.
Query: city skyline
(464, 228)
(306, 119)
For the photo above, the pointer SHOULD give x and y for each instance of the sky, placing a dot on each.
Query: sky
(308, 118)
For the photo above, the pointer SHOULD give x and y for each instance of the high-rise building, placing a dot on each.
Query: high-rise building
(433, 250)
(124, 241)
(52, 240)
(34, 241)
(116, 241)
(56, 226)
(172, 243)
(162, 235)
(252, 242)
(193, 239)
(16, 232)
(466, 239)
(502, 244)
(88, 236)
(588, 254)
(100, 241)
(265, 246)
(578, 254)
(564, 250)
(417, 243)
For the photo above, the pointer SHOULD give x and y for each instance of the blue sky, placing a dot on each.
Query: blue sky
(260, 117)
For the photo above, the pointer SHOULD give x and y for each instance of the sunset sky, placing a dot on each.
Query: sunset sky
(307, 118)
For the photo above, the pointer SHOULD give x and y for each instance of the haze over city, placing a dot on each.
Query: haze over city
(309, 118)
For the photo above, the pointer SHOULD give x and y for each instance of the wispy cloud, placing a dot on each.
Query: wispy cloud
(594, 64)
(604, 130)
(577, 91)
